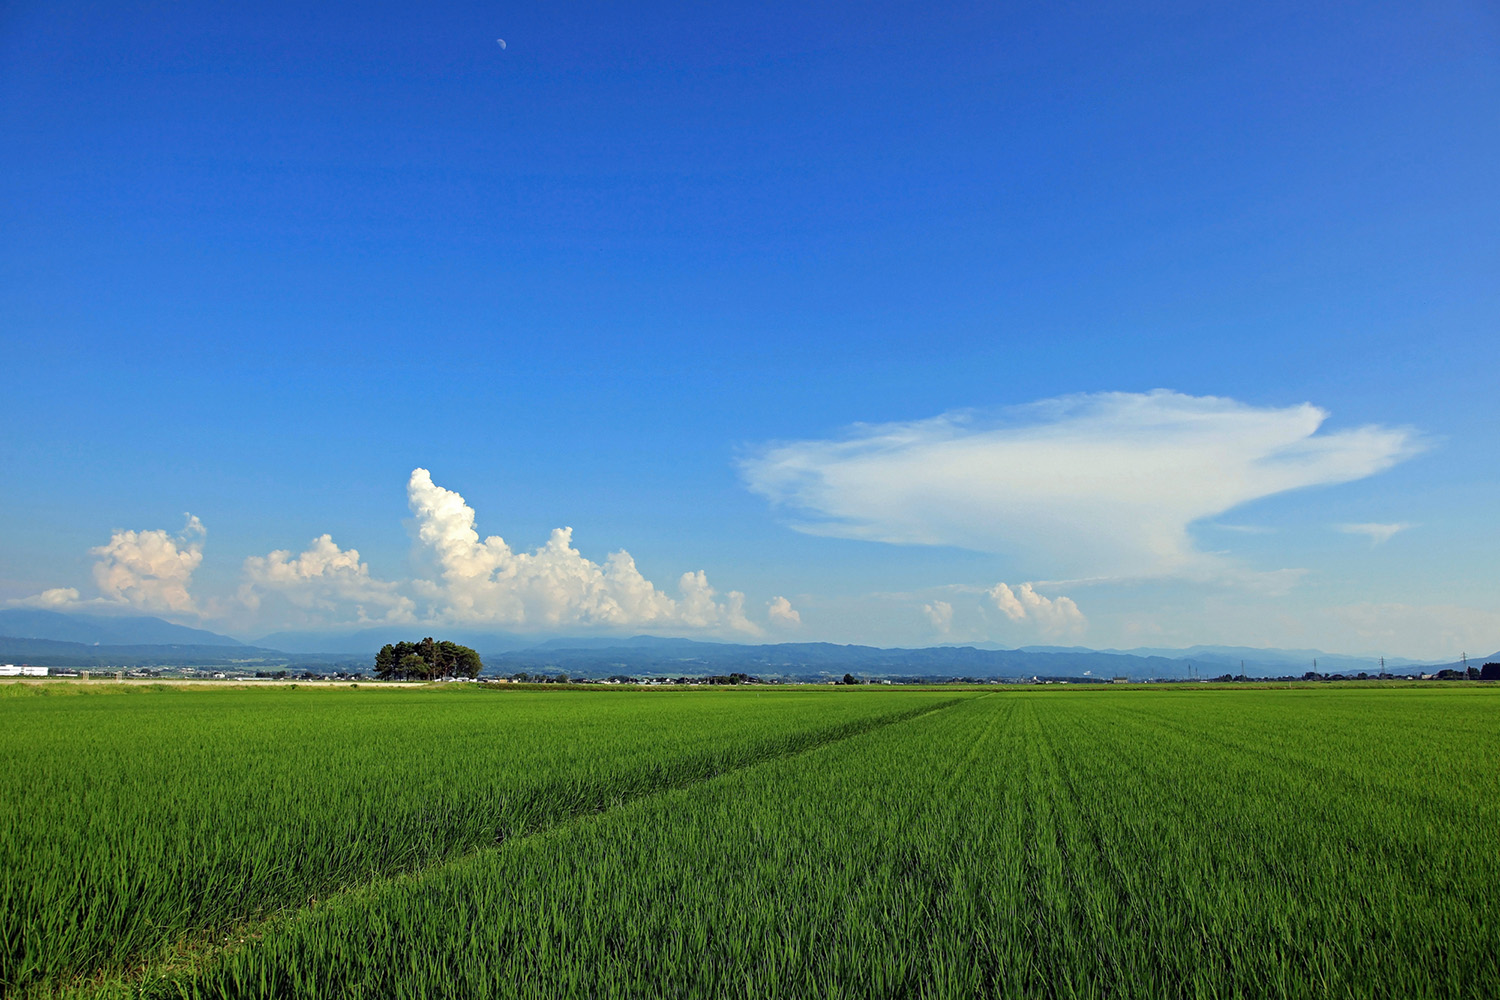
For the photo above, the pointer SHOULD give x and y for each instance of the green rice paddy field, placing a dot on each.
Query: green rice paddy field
(1012, 842)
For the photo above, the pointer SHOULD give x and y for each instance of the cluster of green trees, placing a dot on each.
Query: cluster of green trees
(1471, 673)
(426, 660)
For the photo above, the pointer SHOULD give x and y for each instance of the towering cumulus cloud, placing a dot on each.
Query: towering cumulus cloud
(475, 582)
(1054, 616)
(485, 581)
(326, 583)
(940, 614)
(150, 570)
(782, 614)
(1093, 486)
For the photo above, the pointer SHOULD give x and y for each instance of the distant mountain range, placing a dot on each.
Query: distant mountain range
(1230, 657)
(28, 623)
(49, 638)
(368, 641)
(56, 653)
(649, 655)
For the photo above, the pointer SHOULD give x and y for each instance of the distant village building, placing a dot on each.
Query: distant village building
(11, 670)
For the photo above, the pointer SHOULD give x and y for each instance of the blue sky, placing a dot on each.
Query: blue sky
(862, 311)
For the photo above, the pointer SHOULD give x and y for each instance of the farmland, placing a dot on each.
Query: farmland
(792, 843)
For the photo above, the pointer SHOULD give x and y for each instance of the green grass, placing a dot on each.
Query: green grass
(138, 822)
(1317, 841)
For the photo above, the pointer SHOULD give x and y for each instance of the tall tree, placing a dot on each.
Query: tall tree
(426, 660)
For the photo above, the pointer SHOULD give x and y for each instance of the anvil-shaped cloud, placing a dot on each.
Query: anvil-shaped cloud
(1099, 486)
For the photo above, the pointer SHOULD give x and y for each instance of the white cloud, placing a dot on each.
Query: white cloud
(55, 599)
(476, 582)
(487, 582)
(1052, 616)
(781, 612)
(1377, 533)
(1430, 631)
(1245, 529)
(940, 613)
(150, 570)
(1095, 486)
(698, 609)
(324, 582)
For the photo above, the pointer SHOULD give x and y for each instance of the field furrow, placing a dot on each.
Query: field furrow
(137, 834)
(1025, 843)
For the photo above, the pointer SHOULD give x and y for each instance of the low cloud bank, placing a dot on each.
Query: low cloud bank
(54, 599)
(472, 581)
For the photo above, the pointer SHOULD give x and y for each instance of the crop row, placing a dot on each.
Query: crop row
(1209, 844)
(135, 824)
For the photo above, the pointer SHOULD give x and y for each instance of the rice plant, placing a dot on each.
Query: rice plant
(137, 824)
(1313, 841)
(1100, 843)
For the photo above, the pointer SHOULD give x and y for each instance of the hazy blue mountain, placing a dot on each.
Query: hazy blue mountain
(648, 655)
(368, 641)
(1287, 657)
(1275, 660)
(31, 623)
(818, 659)
(57, 653)
(1474, 661)
(52, 638)
(616, 642)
